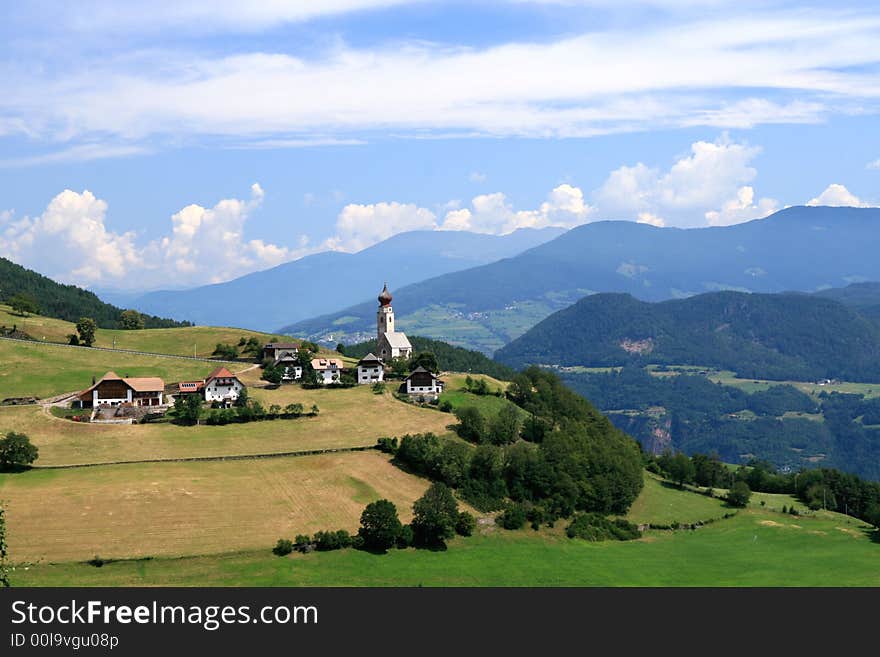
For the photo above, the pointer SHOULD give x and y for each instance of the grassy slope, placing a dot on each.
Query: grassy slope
(755, 548)
(177, 509)
(456, 395)
(663, 504)
(177, 341)
(349, 418)
(43, 370)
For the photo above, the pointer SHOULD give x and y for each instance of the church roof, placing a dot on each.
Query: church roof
(397, 340)
(385, 296)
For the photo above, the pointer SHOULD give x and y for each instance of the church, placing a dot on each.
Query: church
(391, 344)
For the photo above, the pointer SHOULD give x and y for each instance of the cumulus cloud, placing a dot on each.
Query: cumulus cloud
(875, 164)
(836, 195)
(359, 226)
(493, 213)
(70, 241)
(690, 192)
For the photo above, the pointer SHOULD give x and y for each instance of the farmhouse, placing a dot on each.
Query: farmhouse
(327, 370)
(222, 386)
(423, 384)
(113, 390)
(291, 369)
(391, 344)
(370, 370)
(278, 350)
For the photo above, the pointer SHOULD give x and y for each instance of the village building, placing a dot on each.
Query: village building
(114, 390)
(223, 386)
(278, 350)
(390, 343)
(327, 370)
(423, 384)
(291, 370)
(370, 369)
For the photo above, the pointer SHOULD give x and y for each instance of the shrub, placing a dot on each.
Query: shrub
(405, 538)
(514, 517)
(283, 547)
(596, 527)
(387, 445)
(465, 524)
(739, 494)
(96, 561)
(445, 406)
(329, 540)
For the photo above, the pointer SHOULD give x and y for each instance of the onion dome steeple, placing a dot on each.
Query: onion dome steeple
(385, 296)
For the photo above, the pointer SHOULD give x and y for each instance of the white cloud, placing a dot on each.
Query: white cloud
(360, 226)
(690, 191)
(477, 177)
(677, 72)
(836, 195)
(742, 208)
(71, 242)
(493, 213)
(875, 164)
(651, 219)
(79, 153)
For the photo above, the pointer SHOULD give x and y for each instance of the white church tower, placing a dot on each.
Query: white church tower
(391, 344)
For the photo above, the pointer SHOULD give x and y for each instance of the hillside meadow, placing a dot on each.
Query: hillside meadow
(185, 341)
(174, 509)
(44, 370)
(354, 417)
(754, 548)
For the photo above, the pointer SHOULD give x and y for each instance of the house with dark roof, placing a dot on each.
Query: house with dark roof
(278, 350)
(114, 390)
(370, 369)
(423, 384)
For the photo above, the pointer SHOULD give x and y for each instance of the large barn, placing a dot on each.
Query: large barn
(114, 390)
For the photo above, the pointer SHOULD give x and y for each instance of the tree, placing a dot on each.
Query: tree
(225, 351)
(465, 524)
(739, 494)
(187, 408)
(504, 427)
(131, 320)
(424, 359)
(399, 368)
(16, 451)
(273, 375)
(86, 329)
(340, 349)
(23, 303)
(380, 526)
(680, 469)
(435, 515)
(872, 516)
(471, 424)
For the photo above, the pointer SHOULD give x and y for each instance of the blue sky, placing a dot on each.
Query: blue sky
(171, 144)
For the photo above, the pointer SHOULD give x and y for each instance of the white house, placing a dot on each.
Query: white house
(423, 384)
(390, 343)
(222, 386)
(291, 369)
(327, 370)
(278, 350)
(370, 370)
(113, 390)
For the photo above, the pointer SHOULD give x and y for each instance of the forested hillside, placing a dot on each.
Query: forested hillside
(67, 302)
(769, 336)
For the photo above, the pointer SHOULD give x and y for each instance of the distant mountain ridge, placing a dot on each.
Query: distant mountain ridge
(323, 282)
(67, 302)
(799, 248)
(768, 336)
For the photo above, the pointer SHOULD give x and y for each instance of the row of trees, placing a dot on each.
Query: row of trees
(436, 519)
(188, 409)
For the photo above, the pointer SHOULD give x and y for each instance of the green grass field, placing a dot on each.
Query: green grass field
(663, 503)
(43, 370)
(187, 341)
(754, 548)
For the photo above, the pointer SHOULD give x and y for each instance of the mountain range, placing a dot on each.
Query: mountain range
(324, 282)
(799, 248)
